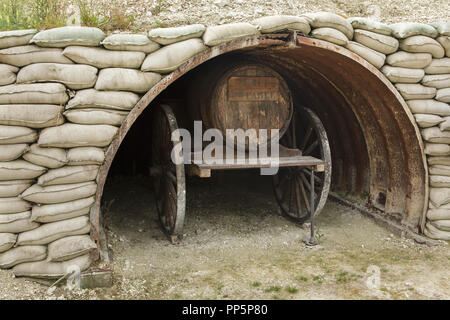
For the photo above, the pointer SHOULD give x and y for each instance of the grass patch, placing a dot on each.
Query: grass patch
(47, 14)
(256, 284)
(107, 17)
(302, 278)
(291, 289)
(27, 14)
(318, 279)
(273, 289)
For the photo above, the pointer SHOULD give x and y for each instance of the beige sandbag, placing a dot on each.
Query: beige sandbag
(439, 181)
(31, 115)
(438, 81)
(404, 30)
(422, 44)
(409, 60)
(36, 93)
(13, 205)
(71, 135)
(18, 226)
(444, 41)
(330, 35)
(59, 193)
(7, 241)
(378, 42)
(14, 134)
(443, 95)
(9, 152)
(7, 74)
(16, 37)
(85, 156)
(438, 214)
(435, 135)
(91, 98)
(70, 247)
(119, 79)
(370, 25)
(443, 225)
(46, 157)
(402, 75)
(13, 217)
(438, 160)
(169, 58)
(415, 91)
(373, 57)
(12, 188)
(52, 231)
(69, 36)
(271, 24)
(19, 170)
(102, 58)
(26, 55)
(45, 269)
(445, 125)
(427, 120)
(437, 149)
(216, 35)
(74, 76)
(429, 106)
(68, 174)
(438, 66)
(444, 206)
(434, 233)
(167, 36)
(22, 254)
(439, 169)
(439, 196)
(330, 20)
(442, 27)
(130, 42)
(96, 116)
(61, 211)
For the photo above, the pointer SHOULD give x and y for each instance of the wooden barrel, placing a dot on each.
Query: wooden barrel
(244, 96)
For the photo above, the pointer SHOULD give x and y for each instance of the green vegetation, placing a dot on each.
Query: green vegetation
(256, 284)
(303, 278)
(27, 14)
(46, 14)
(291, 289)
(273, 288)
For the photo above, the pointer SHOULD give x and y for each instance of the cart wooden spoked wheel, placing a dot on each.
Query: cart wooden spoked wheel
(168, 176)
(292, 184)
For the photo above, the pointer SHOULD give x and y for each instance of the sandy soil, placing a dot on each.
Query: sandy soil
(237, 246)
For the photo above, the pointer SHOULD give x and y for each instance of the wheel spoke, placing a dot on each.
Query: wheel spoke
(307, 135)
(311, 148)
(305, 197)
(297, 198)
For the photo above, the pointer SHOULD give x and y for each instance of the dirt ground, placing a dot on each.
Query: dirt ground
(237, 246)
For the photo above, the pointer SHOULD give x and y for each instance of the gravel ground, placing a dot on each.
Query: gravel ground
(237, 246)
(160, 13)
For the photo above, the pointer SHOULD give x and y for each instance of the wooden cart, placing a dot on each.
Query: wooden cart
(246, 95)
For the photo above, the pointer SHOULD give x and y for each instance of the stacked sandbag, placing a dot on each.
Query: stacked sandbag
(419, 71)
(47, 178)
(372, 40)
(330, 27)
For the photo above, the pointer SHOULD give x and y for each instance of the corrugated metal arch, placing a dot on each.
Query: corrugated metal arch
(360, 94)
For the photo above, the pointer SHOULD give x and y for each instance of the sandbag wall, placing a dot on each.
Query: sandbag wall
(64, 92)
